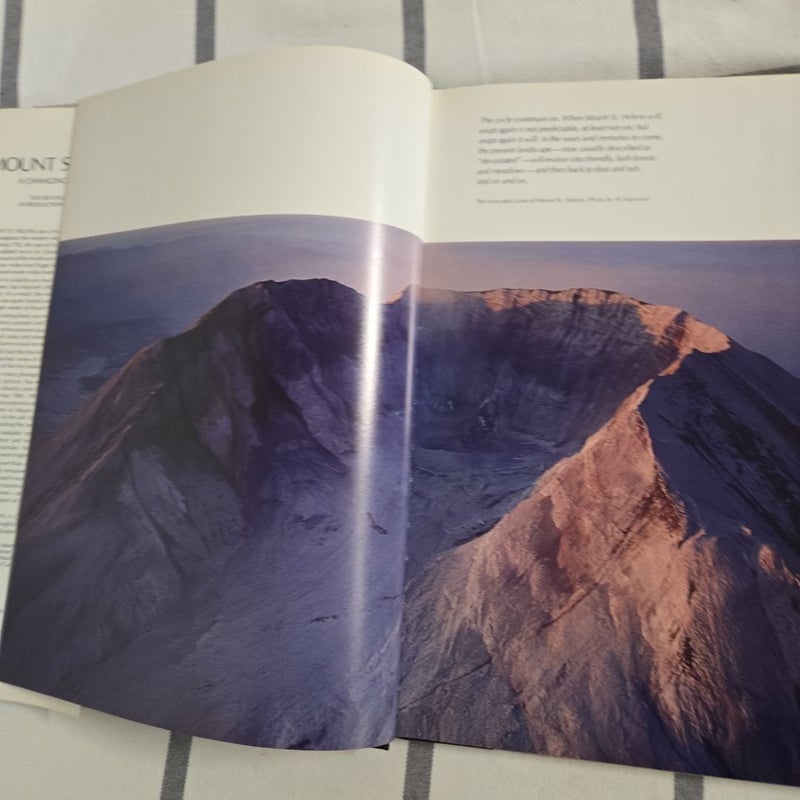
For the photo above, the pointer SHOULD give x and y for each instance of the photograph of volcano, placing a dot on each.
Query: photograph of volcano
(212, 532)
(576, 532)
(604, 541)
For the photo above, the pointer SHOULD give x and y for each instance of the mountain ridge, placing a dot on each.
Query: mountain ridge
(229, 450)
(627, 598)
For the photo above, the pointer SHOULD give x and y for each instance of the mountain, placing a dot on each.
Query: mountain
(637, 600)
(145, 285)
(603, 555)
(191, 541)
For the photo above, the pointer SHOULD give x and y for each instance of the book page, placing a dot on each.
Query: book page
(616, 161)
(215, 508)
(604, 548)
(34, 163)
(313, 130)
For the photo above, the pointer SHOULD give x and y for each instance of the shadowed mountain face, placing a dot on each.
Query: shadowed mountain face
(199, 546)
(510, 382)
(635, 593)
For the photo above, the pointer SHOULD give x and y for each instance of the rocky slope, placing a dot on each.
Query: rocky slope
(640, 601)
(192, 541)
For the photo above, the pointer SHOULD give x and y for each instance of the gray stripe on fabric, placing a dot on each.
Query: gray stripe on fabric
(205, 31)
(176, 766)
(688, 787)
(419, 762)
(9, 70)
(414, 33)
(648, 34)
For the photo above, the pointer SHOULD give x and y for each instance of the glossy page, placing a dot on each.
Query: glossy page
(213, 528)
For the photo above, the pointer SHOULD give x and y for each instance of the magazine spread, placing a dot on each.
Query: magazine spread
(574, 531)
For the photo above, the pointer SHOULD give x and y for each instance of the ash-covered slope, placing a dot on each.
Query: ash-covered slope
(511, 381)
(186, 550)
(640, 601)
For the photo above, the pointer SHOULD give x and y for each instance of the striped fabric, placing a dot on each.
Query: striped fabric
(54, 52)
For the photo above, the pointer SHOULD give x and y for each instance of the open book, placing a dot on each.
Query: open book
(467, 415)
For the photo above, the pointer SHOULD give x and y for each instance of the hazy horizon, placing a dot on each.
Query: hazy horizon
(276, 247)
